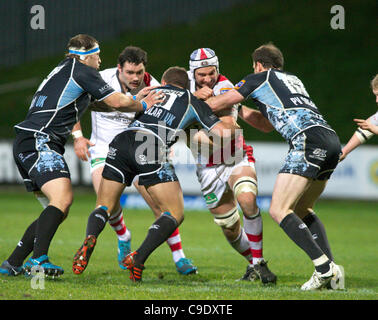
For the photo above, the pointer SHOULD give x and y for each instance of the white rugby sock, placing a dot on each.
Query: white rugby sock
(174, 242)
(118, 225)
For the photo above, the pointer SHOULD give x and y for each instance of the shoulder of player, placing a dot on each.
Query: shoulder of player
(222, 78)
(149, 80)
(81, 68)
(222, 85)
(108, 74)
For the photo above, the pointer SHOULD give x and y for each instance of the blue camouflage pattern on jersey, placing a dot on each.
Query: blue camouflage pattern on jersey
(290, 122)
(49, 160)
(295, 161)
(285, 102)
(167, 173)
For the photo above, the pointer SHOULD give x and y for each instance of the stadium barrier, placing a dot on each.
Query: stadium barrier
(355, 178)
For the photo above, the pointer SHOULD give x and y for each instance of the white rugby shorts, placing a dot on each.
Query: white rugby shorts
(214, 179)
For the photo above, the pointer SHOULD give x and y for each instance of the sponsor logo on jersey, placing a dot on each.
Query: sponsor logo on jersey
(319, 154)
(211, 198)
(239, 84)
(223, 90)
(112, 153)
(104, 88)
(24, 158)
(142, 159)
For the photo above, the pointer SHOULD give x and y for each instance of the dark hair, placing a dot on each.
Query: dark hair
(133, 55)
(79, 41)
(176, 76)
(269, 56)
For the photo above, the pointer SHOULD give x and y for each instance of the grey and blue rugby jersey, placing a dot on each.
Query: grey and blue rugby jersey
(283, 100)
(179, 110)
(62, 98)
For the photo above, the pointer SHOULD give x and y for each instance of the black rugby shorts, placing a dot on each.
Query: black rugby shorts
(137, 153)
(314, 153)
(38, 159)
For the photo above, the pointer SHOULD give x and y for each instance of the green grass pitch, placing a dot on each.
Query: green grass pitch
(351, 227)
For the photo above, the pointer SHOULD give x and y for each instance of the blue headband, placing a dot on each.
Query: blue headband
(83, 52)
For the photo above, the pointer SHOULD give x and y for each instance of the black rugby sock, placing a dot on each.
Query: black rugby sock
(318, 231)
(159, 232)
(298, 231)
(24, 246)
(47, 224)
(97, 221)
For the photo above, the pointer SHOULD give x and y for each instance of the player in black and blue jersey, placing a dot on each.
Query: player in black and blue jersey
(59, 102)
(142, 149)
(313, 155)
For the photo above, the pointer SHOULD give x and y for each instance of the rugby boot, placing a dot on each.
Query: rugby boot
(321, 280)
(42, 264)
(338, 281)
(81, 258)
(250, 274)
(134, 269)
(8, 270)
(264, 274)
(185, 266)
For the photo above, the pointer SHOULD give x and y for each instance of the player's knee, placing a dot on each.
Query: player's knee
(63, 203)
(247, 202)
(245, 184)
(245, 191)
(227, 220)
(277, 213)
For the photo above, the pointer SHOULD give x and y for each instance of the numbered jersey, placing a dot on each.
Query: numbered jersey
(283, 100)
(62, 98)
(179, 110)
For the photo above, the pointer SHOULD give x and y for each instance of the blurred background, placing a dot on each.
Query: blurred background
(336, 65)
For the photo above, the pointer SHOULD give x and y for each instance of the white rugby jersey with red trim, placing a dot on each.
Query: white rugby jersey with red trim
(374, 119)
(223, 85)
(106, 125)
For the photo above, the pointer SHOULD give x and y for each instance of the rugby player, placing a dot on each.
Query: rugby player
(143, 149)
(225, 185)
(313, 155)
(59, 102)
(131, 78)
(366, 128)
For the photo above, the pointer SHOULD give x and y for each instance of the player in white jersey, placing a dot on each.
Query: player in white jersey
(366, 128)
(131, 78)
(225, 183)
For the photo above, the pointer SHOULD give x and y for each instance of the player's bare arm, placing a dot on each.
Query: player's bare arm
(366, 125)
(225, 130)
(123, 103)
(225, 100)
(255, 119)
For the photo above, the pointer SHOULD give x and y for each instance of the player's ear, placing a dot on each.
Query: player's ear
(258, 67)
(119, 68)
